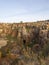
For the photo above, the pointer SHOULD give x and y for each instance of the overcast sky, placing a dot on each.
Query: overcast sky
(23, 10)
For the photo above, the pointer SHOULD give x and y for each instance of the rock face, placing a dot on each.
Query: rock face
(24, 31)
(3, 42)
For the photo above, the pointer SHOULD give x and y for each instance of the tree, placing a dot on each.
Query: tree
(21, 21)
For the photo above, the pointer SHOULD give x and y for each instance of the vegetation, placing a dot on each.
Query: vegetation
(27, 44)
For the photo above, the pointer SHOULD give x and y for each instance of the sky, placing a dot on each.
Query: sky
(23, 10)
